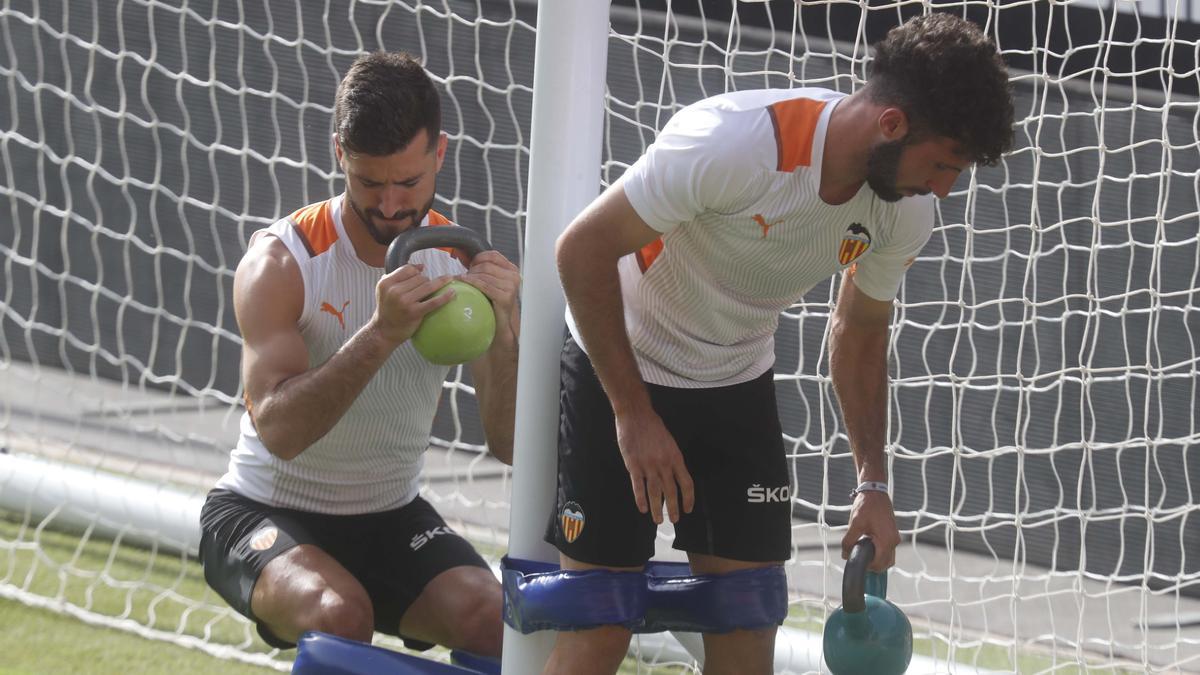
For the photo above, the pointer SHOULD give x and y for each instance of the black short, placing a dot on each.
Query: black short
(393, 554)
(732, 444)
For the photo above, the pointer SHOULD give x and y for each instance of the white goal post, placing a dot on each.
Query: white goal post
(1045, 392)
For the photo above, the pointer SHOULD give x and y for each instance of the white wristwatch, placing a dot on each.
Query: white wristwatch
(868, 486)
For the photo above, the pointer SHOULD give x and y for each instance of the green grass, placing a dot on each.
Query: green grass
(167, 592)
(159, 590)
(39, 642)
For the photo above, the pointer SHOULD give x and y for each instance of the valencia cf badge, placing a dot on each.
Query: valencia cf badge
(571, 519)
(855, 242)
(264, 539)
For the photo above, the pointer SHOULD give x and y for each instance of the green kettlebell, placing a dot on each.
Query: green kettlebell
(867, 635)
(463, 328)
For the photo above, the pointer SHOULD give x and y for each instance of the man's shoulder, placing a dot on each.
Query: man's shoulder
(738, 109)
(759, 99)
(740, 128)
(313, 227)
(279, 250)
(268, 260)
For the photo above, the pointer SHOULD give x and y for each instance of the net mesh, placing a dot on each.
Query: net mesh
(1044, 353)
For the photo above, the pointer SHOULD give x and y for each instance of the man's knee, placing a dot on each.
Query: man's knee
(305, 589)
(345, 614)
(478, 627)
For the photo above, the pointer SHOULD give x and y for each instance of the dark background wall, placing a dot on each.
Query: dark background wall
(1045, 358)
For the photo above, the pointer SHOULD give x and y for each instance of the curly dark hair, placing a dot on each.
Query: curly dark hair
(384, 100)
(950, 81)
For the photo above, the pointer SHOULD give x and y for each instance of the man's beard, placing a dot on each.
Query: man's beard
(384, 238)
(883, 166)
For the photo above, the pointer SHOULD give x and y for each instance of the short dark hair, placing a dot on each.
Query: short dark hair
(950, 81)
(383, 102)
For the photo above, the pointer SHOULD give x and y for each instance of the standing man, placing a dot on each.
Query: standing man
(675, 278)
(317, 525)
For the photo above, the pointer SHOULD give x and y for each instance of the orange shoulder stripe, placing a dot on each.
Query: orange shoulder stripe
(795, 122)
(314, 224)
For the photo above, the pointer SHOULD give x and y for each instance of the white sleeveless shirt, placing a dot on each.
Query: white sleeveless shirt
(370, 460)
(732, 184)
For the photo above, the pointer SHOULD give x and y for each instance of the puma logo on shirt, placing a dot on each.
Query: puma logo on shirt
(340, 314)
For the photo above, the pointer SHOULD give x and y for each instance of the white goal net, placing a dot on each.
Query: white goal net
(1046, 345)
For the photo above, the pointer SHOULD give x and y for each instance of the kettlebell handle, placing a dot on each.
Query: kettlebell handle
(413, 240)
(854, 579)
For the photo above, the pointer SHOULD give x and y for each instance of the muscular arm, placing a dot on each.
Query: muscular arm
(858, 364)
(291, 404)
(495, 373)
(587, 255)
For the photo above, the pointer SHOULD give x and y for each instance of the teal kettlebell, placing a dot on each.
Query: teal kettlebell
(463, 328)
(867, 635)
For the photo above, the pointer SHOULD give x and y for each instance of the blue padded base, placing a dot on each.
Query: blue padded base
(324, 654)
(541, 596)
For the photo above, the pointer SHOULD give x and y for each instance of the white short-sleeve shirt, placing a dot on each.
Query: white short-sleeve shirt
(732, 184)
